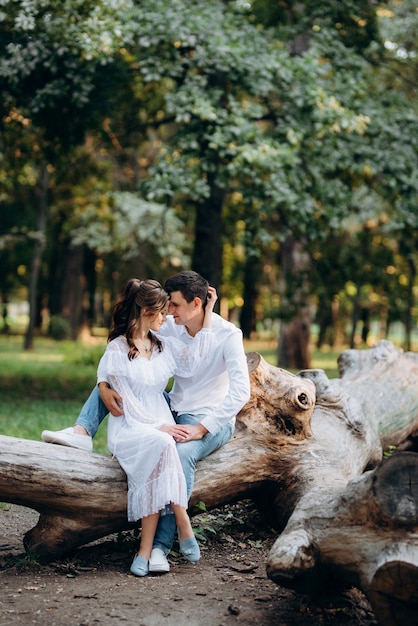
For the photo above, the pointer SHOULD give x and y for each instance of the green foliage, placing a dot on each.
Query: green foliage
(55, 57)
(390, 450)
(249, 124)
(133, 227)
(206, 524)
(59, 328)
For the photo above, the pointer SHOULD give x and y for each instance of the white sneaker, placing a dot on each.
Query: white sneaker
(68, 437)
(158, 563)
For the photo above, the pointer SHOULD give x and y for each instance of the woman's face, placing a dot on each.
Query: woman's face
(157, 319)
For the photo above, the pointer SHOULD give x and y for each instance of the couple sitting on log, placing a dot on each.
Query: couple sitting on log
(158, 437)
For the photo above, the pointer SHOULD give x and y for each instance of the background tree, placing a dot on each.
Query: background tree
(279, 139)
(50, 75)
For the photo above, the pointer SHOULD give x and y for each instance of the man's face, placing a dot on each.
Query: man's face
(182, 311)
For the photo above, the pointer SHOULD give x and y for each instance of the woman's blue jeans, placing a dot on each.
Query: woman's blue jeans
(190, 452)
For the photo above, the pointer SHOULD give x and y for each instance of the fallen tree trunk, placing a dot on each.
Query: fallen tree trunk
(363, 535)
(80, 496)
(305, 445)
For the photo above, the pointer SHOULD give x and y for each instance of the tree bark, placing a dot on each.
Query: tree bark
(39, 246)
(207, 249)
(363, 535)
(293, 347)
(247, 318)
(72, 288)
(306, 447)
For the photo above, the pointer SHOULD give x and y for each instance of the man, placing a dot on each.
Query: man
(207, 402)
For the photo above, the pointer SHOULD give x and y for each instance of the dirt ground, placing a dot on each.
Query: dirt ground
(92, 586)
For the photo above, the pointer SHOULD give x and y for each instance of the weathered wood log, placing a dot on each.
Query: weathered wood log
(80, 496)
(392, 579)
(364, 535)
(344, 524)
(304, 444)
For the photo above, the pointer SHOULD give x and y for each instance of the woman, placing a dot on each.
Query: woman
(137, 364)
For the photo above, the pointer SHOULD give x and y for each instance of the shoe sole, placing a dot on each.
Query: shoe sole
(158, 569)
(63, 442)
(58, 442)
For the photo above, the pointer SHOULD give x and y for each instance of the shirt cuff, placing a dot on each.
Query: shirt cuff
(212, 424)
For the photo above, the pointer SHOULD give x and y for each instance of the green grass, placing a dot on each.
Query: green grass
(45, 388)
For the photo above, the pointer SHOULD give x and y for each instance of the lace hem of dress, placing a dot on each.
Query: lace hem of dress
(156, 495)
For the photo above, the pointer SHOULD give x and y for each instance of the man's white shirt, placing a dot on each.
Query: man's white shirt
(220, 385)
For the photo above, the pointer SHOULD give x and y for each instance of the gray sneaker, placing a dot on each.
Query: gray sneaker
(158, 563)
(68, 437)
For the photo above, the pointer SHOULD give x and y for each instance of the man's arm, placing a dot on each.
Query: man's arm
(111, 399)
(239, 384)
(238, 392)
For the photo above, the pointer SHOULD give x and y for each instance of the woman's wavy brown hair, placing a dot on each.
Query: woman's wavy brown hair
(133, 296)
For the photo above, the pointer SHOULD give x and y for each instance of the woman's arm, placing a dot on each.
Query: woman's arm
(117, 370)
(135, 412)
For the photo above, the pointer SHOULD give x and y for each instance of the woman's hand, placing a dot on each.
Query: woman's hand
(177, 431)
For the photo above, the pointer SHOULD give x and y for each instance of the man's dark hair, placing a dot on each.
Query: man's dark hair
(190, 284)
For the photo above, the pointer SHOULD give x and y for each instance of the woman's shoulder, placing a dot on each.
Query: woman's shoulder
(118, 344)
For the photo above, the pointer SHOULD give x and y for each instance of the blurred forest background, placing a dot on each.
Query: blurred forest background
(270, 145)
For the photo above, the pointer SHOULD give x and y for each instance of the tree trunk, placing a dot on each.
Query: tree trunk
(207, 250)
(308, 448)
(293, 347)
(72, 288)
(355, 316)
(410, 301)
(252, 271)
(363, 535)
(37, 256)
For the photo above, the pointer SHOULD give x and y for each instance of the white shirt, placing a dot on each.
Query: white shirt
(220, 385)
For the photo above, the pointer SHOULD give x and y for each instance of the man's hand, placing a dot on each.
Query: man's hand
(111, 399)
(194, 432)
(211, 298)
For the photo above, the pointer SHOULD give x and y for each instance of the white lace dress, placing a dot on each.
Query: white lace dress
(147, 455)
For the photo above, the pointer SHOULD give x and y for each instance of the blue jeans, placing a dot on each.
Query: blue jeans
(190, 452)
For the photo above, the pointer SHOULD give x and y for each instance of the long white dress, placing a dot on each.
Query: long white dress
(147, 455)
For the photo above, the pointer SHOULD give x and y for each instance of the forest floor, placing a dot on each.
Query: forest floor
(92, 585)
